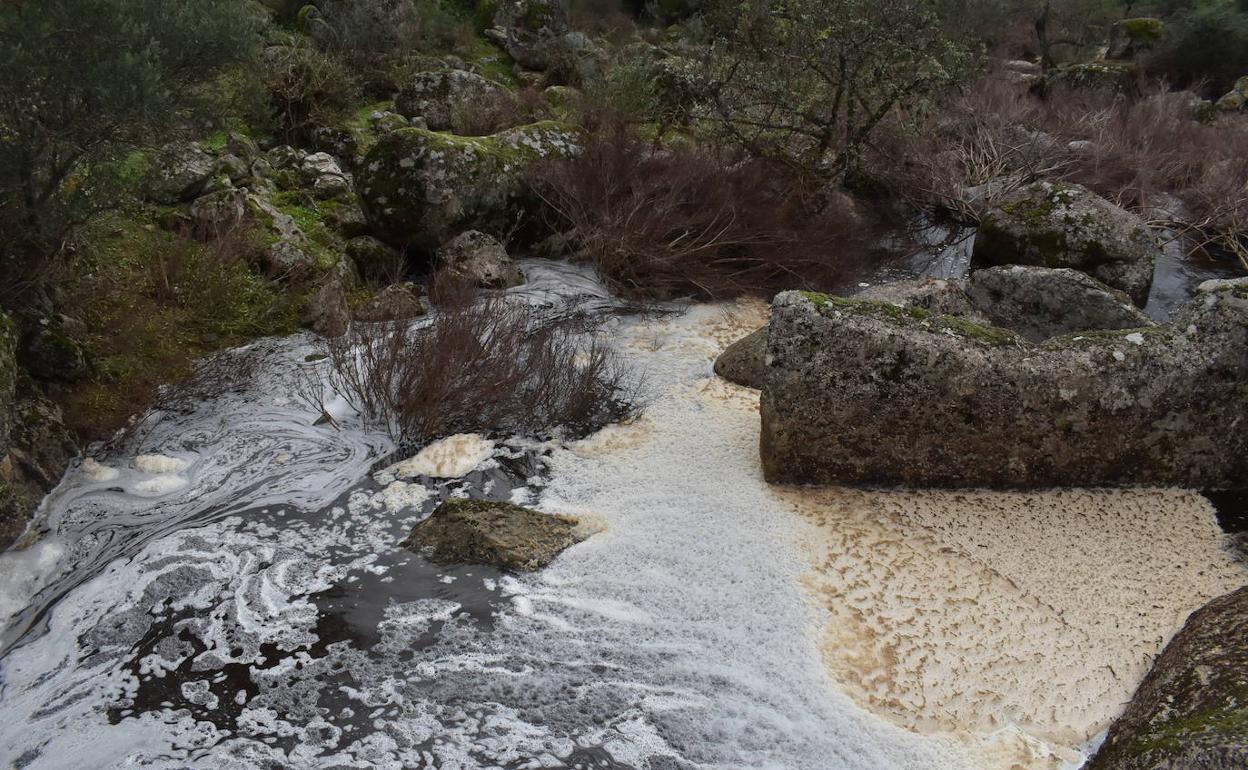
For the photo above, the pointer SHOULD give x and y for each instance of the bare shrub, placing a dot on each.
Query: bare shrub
(488, 116)
(664, 224)
(488, 366)
(1136, 151)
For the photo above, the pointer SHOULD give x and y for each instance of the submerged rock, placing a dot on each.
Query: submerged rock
(479, 258)
(423, 187)
(1191, 711)
(861, 391)
(499, 534)
(1039, 303)
(1065, 225)
(744, 361)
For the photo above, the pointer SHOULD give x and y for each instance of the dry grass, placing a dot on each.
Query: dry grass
(487, 366)
(664, 224)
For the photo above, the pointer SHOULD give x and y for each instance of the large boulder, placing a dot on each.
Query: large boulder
(422, 188)
(533, 32)
(1039, 302)
(1066, 225)
(179, 172)
(1130, 37)
(499, 534)
(447, 98)
(1191, 711)
(865, 392)
(48, 352)
(1236, 99)
(480, 259)
(35, 447)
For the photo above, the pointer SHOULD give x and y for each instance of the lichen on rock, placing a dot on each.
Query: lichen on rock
(423, 187)
(499, 534)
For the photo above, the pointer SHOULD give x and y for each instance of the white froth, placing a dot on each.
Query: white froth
(158, 485)
(159, 464)
(97, 471)
(21, 572)
(449, 458)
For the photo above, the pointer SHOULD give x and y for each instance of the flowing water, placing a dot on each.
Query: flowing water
(229, 592)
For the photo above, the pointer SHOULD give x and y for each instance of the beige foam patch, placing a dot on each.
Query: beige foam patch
(988, 612)
(448, 458)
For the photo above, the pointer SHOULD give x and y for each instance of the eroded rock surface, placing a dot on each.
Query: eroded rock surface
(861, 391)
(1191, 711)
(1039, 303)
(500, 534)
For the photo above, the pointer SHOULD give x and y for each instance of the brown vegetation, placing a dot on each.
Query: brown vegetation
(665, 224)
(492, 365)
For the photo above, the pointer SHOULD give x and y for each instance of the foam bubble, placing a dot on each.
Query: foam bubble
(97, 471)
(154, 463)
(449, 458)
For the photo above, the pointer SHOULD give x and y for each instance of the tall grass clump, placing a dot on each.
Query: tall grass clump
(490, 366)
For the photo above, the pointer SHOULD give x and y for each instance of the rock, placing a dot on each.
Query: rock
(532, 32)
(1066, 225)
(219, 211)
(420, 187)
(385, 122)
(743, 362)
(283, 156)
(179, 172)
(1131, 37)
(35, 447)
(935, 295)
(326, 311)
(339, 142)
(285, 249)
(1191, 710)
(397, 302)
(865, 392)
(1038, 302)
(1116, 76)
(446, 98)
(499, 534)
(1235, 99)
(321, 172)
(481, 259)
(344, 215)
(47, 352)
(374, 258)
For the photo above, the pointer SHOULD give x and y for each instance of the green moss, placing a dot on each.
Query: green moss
(309, 216)
(913, 316)
(151, 303)
(216, 142)
(1144, 29)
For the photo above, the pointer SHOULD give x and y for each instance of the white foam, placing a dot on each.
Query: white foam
(159, 464)
(99, 472)
(449, 458)
(158, 485)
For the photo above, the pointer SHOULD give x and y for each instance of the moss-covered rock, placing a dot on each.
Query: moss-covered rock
(449, 99)
(499, 534)
(422, 187)
(48, 352)
(1131, 37)
(1066, 225)
(1191, 711)
(866, 392)
(1236, 99)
